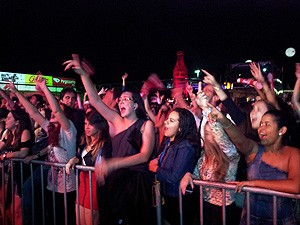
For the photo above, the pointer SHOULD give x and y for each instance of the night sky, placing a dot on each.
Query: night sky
(140, 37)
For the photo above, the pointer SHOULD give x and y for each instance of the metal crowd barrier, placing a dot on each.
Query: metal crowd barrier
(42, 165)
(247, 190)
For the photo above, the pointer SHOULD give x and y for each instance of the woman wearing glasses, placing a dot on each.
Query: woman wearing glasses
(126, 174)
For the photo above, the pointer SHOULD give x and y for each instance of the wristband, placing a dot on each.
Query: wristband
(226, 127)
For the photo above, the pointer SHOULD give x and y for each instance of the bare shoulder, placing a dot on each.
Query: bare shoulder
(292, 151)
(26, 135)
(148, 125)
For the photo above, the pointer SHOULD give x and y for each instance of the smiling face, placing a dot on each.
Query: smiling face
(126, 104)
(268, 130)
(258, 110)
(172, 125)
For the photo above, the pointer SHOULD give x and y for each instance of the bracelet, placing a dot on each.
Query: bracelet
(216, 88)
(226, 127)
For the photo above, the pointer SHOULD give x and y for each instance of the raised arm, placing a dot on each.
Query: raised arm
(124, 77)
(243, 144)
(148, 108)
(83, 68)
(269, 93)
(56, 109)
(80, 106)
(296, 93)
(236, 114)
(10, 103)
(31, 109)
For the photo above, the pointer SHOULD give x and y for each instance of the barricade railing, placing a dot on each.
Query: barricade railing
(247, 190)
(43, 167)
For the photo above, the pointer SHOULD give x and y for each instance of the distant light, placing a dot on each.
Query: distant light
(264, 70)
(197, 72)
(290, 52)
(248, 61)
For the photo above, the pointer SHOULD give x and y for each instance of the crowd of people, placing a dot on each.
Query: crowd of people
(135, 138)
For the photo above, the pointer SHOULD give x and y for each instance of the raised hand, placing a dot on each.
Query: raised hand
(256, 72)
(159, 97)
(210, 79)
(189, 89)
(80, 67)
(40, 83)
(11, 87)
(216, 115)
(103, 91)
(124, 76)
(201, 100)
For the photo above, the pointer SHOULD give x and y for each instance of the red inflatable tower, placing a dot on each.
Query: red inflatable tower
(180, 72)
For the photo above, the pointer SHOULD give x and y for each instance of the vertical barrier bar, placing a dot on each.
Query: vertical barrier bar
(32, 194)
(77, 195)
(224, 206)
(22, 182)
(248, 207)
(3, 192)
(201, 203)
(53, 195)
(180, 207)
(65, 196)
(158, 203)
(12, 191)
(274, 210)
(43, 194)
(91, 197)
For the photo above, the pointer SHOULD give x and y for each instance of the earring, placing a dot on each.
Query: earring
(280, 134)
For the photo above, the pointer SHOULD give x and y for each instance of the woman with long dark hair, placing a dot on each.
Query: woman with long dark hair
(95, 145)
(272, 164)
(62, 147)
(16, 142)
(180, 149)
(126, 174)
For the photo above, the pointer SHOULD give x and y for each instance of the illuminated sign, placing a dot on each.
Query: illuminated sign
(29, 79)
(19, 78)
(63, 82)
(22, 87)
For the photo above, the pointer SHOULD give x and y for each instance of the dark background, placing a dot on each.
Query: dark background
(140, 37)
